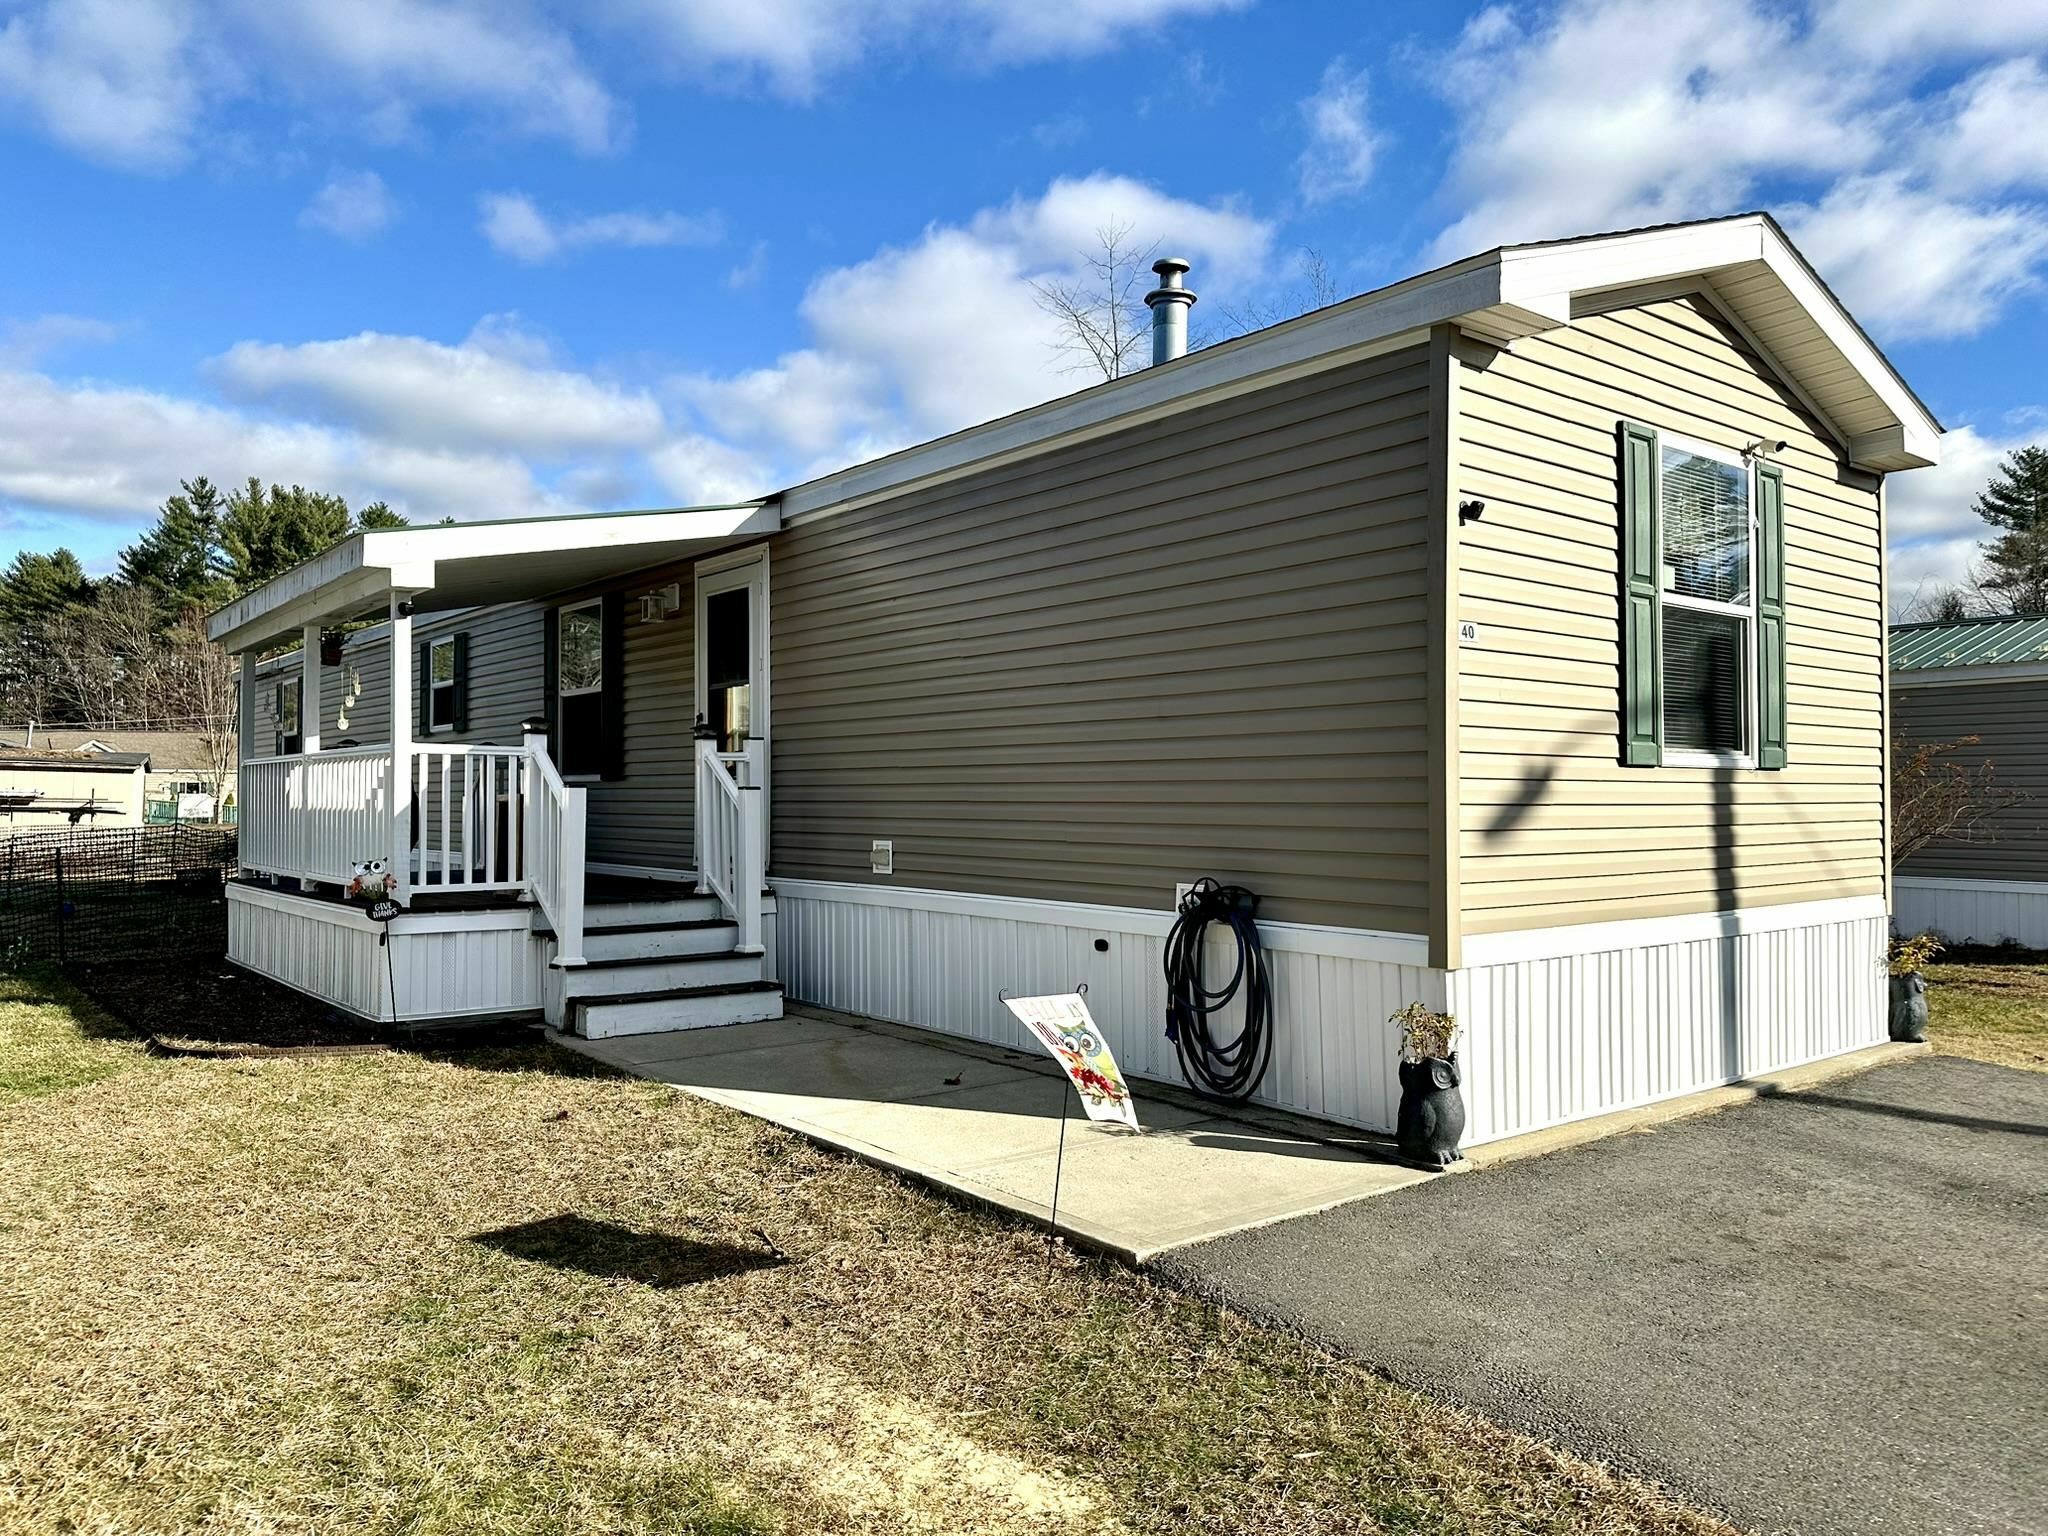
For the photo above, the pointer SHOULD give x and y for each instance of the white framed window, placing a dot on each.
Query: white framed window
(1707, 595)
(579, 689)
(441, 682)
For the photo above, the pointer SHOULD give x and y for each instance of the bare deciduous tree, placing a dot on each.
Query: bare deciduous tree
(1102, 321)
(1315, 288)
(1938, 795)
(206, 683)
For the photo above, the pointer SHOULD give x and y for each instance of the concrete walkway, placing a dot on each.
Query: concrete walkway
(1821, 1311)
(984, 1122)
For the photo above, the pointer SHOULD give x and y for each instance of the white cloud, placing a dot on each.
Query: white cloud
(701, 471)
(515, 225)
(1342, 142)
(1604, 114)
(792, 46)
(1926, 29)
(106, 78)
(748, 272)
(1917, 263)
(352, 204)
(1935, 536)
(1998, 135)
(494, 391)
(139, 83)
(112, 453)
(24, 343)
(947, 331)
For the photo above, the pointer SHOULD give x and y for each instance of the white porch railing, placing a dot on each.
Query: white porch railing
(731, 831)
(554, 849)
(483, 819)
(315, 817)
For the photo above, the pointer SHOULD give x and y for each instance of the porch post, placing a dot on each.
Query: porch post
(401, 742)
(245, 714)
(309, 690)
(309, 725)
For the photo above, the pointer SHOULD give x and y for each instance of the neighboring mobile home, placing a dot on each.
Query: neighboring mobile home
(1988, 679)
(1516, 631)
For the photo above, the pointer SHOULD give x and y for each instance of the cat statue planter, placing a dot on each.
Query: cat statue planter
(1909, 1008)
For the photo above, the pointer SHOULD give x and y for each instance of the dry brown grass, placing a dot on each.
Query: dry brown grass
(339, 1294)
(1991, 1006)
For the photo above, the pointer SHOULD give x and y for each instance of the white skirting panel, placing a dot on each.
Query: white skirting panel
(939, 961)
(1547, 1039)
(443, 965)
(1981, 911)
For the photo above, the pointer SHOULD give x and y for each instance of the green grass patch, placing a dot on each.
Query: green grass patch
(1991, 1004)
(52, 1038)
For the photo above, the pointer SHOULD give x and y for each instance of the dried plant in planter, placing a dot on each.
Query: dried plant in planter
(1425, 1033)
(1910, 955)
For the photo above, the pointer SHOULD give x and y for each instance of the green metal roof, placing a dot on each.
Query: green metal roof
(2005, 640)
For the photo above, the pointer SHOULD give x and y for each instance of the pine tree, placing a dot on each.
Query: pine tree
(180, 561)
(266, 533)
(379, 515)
(2016, 500)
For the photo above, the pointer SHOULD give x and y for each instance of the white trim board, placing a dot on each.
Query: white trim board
(1988, 887)
(1483, 949)
(1305, 938)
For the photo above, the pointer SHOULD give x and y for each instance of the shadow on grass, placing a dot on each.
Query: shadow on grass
(614, 1252)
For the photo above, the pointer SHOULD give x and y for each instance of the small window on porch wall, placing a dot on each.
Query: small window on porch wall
(289, 739)
(441, 683)
(728, 666)
(579, 689)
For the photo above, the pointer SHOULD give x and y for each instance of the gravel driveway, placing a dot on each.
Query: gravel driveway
(1819, 1312)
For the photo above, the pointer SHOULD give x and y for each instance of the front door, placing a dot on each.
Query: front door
(732, 661)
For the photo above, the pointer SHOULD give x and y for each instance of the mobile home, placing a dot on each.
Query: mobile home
(1515, 631)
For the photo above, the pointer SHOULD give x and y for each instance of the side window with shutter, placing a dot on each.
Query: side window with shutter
(1703, 605)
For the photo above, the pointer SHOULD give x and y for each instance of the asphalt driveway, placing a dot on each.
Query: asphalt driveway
(1820, 1312)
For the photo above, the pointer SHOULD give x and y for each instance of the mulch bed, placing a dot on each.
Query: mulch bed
(203, 1006)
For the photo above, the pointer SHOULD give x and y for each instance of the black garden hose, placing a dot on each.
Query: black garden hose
(1220, 1069)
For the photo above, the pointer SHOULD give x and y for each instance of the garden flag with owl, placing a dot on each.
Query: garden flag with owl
(1063, 1026)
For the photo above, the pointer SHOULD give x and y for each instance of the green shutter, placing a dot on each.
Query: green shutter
(1770, 616)
(1642, 640)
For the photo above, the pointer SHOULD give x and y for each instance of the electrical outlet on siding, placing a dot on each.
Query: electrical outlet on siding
(1180, 894)
(882, 857)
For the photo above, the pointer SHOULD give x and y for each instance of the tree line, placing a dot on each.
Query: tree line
(129, 650)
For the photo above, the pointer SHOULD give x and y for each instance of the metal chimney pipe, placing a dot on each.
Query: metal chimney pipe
(1169, 303)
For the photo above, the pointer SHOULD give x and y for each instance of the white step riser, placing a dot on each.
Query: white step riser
(654, 946)
(660, 975)
(608, 1020)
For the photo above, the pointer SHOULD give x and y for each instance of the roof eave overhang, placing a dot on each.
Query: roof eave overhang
(354, 576)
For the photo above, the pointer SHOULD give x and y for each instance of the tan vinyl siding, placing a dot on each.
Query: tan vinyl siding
(1194, 647)
(1553, 829)
(2010, 722)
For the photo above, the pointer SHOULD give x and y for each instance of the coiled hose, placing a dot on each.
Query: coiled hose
(1221, 1069)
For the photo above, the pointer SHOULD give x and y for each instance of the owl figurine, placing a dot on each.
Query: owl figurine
(1431, 1121)
(371, 881)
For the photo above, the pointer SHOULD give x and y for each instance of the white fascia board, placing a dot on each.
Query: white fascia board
(303, 579)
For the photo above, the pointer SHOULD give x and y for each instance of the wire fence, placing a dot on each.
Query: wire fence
(115, 893)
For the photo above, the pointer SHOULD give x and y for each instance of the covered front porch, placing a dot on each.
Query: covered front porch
(472, 836)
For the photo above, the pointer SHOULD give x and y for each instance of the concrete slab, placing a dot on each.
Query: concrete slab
(983, 1123)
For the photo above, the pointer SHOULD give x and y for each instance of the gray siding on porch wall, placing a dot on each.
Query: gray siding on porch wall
(2010, 722)
(1194, 647)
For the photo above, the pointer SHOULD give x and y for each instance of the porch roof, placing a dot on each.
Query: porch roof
(472, 565)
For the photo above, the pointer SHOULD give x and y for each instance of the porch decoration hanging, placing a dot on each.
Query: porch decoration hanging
(1431, 1121)
(372, 881)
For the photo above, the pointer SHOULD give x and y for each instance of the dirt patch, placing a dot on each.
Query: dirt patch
(203, 1006)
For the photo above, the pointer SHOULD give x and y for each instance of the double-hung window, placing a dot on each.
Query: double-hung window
(289, 738)
(1706, 586)
(1704, 654)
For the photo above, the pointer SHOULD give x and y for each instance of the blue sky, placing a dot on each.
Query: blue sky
(491, 258)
